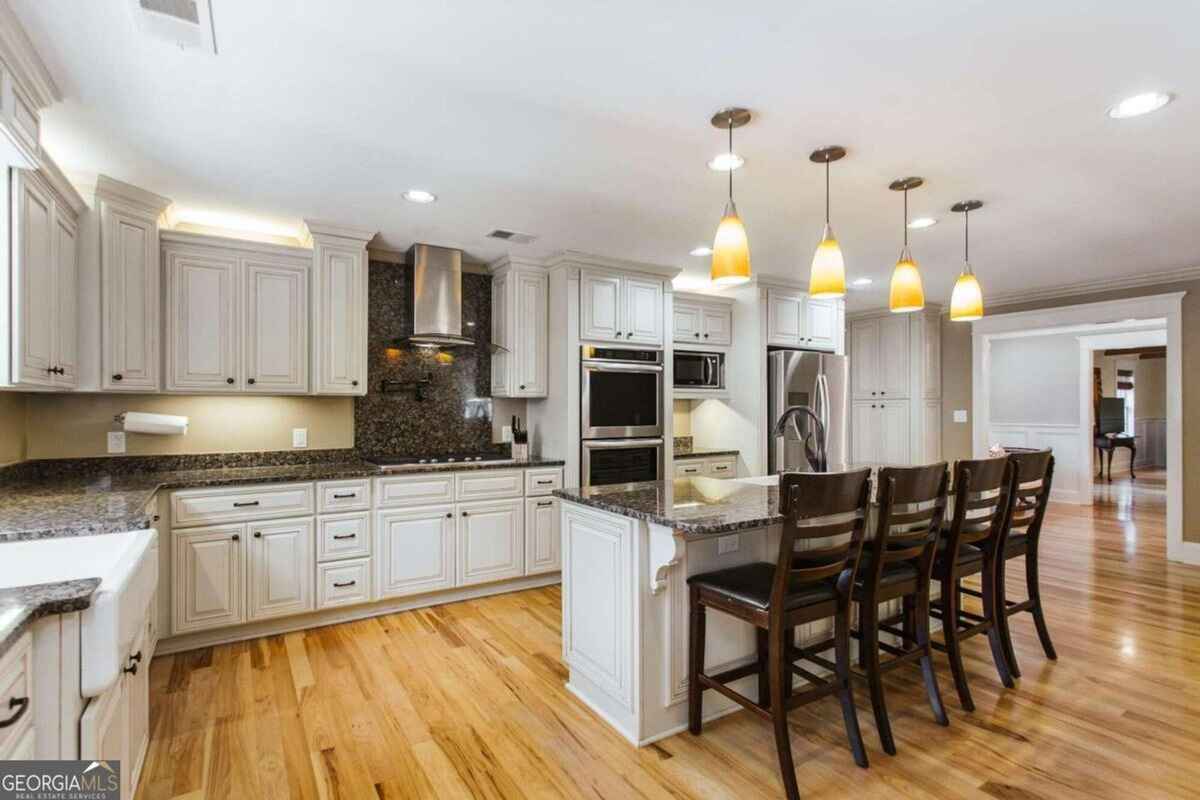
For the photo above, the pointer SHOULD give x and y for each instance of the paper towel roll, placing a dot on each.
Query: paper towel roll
(142, 422)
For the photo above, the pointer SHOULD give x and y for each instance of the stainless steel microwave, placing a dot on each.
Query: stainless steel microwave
(699, 370)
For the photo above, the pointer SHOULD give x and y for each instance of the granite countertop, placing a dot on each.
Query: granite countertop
(689, 452)
(20, 607)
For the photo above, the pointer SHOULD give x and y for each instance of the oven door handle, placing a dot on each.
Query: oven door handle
(620, 366)
(614, 444)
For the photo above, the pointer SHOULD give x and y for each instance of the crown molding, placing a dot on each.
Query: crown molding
(711, 299)
(19, 55)
(318, 229)
(111, 189)
(929, 310)
(225, 241)
(574, 258)
(507, 262)
(65, 190)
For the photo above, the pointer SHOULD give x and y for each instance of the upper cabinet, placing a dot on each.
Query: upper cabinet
(620, 308)
(796, 320)
(236, 316)
(520, 329)
(130, 318)
(339, 308)
(880, 354)
(702, 321)
(39, 291)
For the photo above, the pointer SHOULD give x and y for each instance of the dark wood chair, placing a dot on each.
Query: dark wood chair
(898, 563)
(1110, 419)
(801, 586)
(973, 544)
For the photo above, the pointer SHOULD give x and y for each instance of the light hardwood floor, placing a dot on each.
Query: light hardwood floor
(467, 700)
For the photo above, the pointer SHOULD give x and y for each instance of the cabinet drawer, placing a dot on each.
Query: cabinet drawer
(344, 536)
(490, 484)
(685, 469)
(542, 481)
(343, 583)
(207, 506)
(721, 467)
(16, 693)
(415, 490)
(349, 495)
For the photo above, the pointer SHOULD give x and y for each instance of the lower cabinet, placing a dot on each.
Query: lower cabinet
(104, 731)
(543, 540)
(280, 568)
(879, 432)
(416, 550)
(207, 578)
(344, 583)
(137, 710)
(491, 541)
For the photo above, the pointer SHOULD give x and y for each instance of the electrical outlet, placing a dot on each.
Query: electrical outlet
(728, 544)
(299, 437)
(960, 415)
(506, 433)
(116, 441)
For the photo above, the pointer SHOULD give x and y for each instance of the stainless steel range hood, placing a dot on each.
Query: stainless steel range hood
(437, 297)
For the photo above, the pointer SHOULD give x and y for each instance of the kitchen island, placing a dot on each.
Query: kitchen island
(627, 553)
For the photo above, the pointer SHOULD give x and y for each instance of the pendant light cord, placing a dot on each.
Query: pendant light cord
(731, 159)
(826, 190)
(967, 237)
(906, 217)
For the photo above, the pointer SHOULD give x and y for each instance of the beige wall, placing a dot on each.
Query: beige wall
(956, 374)
(12, 427)
(76, 425)
(1150, 394)
(681, 419)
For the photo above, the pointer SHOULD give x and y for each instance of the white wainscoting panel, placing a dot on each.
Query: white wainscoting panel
(1070, 465)
(1151, 442)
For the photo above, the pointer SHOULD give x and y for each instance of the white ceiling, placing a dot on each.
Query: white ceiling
(587, 125)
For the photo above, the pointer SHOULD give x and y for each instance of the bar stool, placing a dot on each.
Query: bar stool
(1035, 473)
(898, 563)
(801, 586)
(974, 545)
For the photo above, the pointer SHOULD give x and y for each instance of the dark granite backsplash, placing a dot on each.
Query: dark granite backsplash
(456, 412)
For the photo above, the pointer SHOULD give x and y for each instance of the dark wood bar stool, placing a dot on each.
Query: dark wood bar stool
(1034, 476)
(974, 545)
(801, 586)
(898, 563)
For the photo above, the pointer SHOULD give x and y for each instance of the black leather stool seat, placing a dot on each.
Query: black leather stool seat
(751, 584)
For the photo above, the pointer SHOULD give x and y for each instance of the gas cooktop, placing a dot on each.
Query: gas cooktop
(387, 461)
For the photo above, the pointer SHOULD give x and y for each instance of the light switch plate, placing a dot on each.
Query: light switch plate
(299, 437)
(506, 433)
(116, 441)
(960, 415)
(728, 544)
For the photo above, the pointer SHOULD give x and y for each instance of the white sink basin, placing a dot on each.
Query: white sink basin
(760, 480)
(127, 566)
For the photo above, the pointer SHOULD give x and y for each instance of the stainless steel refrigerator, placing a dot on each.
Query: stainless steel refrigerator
(820, 381)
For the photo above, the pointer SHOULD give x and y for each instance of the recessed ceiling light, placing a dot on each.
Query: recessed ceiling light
(701, 251)
(726, 162)
(1139, 104)
(861, 282)
(922, 222)
(419, 196)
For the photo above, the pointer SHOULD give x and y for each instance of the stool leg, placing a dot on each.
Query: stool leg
(764, 682)
(1001, 608)
(993, 615)
(910, 621)
(783, 742)
(921, 618)
(868, 615)
(1132, 458)
(841, 638)
(695, 663)
(949, 602)
(1035, 594)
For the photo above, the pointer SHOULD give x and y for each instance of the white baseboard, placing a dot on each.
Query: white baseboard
(333, 616)
(1069, 496)
(1184, 552)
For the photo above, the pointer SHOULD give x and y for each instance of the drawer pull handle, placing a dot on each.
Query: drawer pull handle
(547, 503)
(131, 669)
(22, 705)
(343, 585)
(136, 657)
(246, 505)
(545, 483)
(346, 496)
(346, 536)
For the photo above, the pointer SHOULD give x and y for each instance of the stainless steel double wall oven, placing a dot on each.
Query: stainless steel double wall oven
(621, 420)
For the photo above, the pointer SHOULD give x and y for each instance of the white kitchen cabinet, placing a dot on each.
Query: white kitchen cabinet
(415, 550)
(785, 318)
(276, 326)
(822, 323)
(202, 322)
(136, 690)
(864, 432)
(38, 293)
(879, 357)
(720, 467)
(687, 324)
(543, 545)
(624, 308)
(702, 322)
(880, 433)
(339, 307)
(344, 583)
(931, 356)
(718, 326)
(796, 320)
(130, 301)
(931, 432)
(208, 578)
(519, 325)
(281, 568)
(104, 732)
(689, 468)
(491, 541)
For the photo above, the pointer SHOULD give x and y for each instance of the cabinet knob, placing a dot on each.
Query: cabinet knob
(118, 377)
(131, 669)
(873, 394)
(883, 392)
(229, 381)
(449, 515)
(354, 383)
(258, 534)
(697, 334)
(136, 657)
(706, 336)
(250, 381)
(522, 386)
(236, 538)
(466, 514)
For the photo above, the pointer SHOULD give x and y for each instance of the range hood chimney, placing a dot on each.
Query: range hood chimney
(437, 297)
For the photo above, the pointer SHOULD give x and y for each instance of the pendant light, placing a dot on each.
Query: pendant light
(907, 293)
(827, 278)
(966, 303)
(731, 249)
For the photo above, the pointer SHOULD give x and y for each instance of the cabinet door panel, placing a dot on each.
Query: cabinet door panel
(340, 335)
(643, 311)
(281, 568)
(895, 425)
(416, 550)
(688, 324)
(718, 326)
(931, 355)
(864, 433)
(207, 577)
(600, 307)
(276, 328)
(491, 541)
(821, 322)
(543, 543)
(33, 277)
(202, 323)
(785, 318)
(500, 322)
(864, 358)
(931, 432)
(529, 379)
(894, 350)
(130, 309)
(104, 731)
(66, 279)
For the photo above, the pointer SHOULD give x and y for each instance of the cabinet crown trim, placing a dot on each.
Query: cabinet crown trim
(318, 229)
(193, 238)
(567, 259)
(114, 190)
(20, 56)
(506, 263)
(695, 298)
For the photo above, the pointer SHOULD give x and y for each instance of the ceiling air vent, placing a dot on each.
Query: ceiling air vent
(187, 24)
(512, 236)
